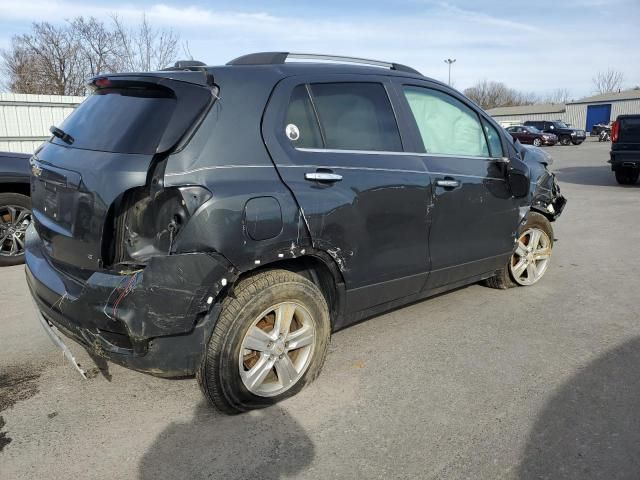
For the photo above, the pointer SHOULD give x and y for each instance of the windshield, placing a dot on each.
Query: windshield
(124, 120)
(560, 125)
(533, 129)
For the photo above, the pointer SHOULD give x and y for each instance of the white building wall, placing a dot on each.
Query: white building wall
(25, 119)
(576, 113)
(625, 107)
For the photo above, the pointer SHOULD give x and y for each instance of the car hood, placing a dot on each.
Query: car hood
(536, 155)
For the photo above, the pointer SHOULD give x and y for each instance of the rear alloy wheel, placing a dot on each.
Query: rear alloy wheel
(627, 176)
(537, 142)
(270, 341)
(530, 259)
(15, 217)
(565, 140)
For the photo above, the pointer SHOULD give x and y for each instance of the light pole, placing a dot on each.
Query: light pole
(450, 62)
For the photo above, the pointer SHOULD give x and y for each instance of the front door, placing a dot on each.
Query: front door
(475, 218)
(336, 144)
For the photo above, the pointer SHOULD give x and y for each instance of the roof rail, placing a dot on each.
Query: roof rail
(277, 58)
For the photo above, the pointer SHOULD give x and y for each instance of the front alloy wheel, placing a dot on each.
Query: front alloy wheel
(531, 257)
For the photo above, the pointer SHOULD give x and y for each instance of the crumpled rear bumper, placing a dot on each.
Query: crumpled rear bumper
(156, 320)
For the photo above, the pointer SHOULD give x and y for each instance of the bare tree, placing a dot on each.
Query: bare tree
(98, 45)
(559, 95)
(59, 59)
(490, 94)
(145, 48)
(608, 81)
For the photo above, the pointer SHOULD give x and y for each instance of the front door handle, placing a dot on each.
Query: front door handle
(326, 177)
(448, 183)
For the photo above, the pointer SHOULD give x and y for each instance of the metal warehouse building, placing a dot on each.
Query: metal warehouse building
(583, 113)
(25, 119)
(507, 116)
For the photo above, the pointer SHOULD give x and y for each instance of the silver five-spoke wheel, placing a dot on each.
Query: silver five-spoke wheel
(277, 349)
(14, 221)
(531, 257)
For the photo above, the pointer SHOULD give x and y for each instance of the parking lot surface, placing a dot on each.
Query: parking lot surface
(536, 382)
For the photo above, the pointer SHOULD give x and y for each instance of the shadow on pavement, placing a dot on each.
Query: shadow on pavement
(590, 429)
(598, 176)
(265, 444)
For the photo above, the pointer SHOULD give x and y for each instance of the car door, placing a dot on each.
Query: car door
(475, 217)
(336, 144)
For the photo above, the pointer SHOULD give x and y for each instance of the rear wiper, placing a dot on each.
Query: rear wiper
(61, 134)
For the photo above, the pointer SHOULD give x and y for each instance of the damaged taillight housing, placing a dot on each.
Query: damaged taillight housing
(147, 224)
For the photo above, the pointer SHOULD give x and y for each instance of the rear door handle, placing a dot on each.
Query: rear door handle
(326, 177)
(448, 183)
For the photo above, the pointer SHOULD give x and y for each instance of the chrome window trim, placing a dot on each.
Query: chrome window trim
(385, 152)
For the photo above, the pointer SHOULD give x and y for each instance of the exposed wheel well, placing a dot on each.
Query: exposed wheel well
(327, 279)
(21, 188)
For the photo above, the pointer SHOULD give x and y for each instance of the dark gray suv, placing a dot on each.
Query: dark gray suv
(224, 221)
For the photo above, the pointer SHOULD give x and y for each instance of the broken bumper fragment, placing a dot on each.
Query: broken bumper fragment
(156, 320)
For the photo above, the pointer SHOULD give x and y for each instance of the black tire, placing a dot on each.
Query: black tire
(503, 278)
(565, 140)
(578, 142)
(537, 142)
(13, 199)
(627, 176)
(218, 375)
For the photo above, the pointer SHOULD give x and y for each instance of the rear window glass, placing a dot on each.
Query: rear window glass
(120, 120)
(630, 130)
(356, 116)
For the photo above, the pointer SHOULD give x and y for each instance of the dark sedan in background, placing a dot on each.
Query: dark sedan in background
(532, 136)
(15, 206)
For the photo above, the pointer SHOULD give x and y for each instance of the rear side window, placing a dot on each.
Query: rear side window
(302, 120)
(124, 120)
(447, 126)
(629, 130)
(356, 116)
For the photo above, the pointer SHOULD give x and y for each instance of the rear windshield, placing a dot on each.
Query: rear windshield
(125, 120)
(630, 130)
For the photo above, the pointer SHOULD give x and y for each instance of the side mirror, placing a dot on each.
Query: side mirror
(518, 183)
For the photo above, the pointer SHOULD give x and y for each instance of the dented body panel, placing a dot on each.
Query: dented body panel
(131, 255)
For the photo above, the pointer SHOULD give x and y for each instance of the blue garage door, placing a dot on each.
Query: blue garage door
(598, 114)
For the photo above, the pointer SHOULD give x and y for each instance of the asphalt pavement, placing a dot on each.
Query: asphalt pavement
(528, 383)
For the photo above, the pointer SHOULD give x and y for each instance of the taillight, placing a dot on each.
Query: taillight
(102, 82)
(615, 131)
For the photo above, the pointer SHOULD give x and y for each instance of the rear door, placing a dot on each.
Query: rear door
(475, 218)
(336, 143)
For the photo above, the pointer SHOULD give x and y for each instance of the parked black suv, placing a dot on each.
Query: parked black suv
(566, 135)
(625, 149)
(15, 206)
(223, 221)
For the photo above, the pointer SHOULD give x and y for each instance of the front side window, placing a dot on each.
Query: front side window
(356, 116)
(495, 144)
(447, 126)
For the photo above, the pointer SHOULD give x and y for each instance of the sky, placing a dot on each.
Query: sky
(534, 46)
